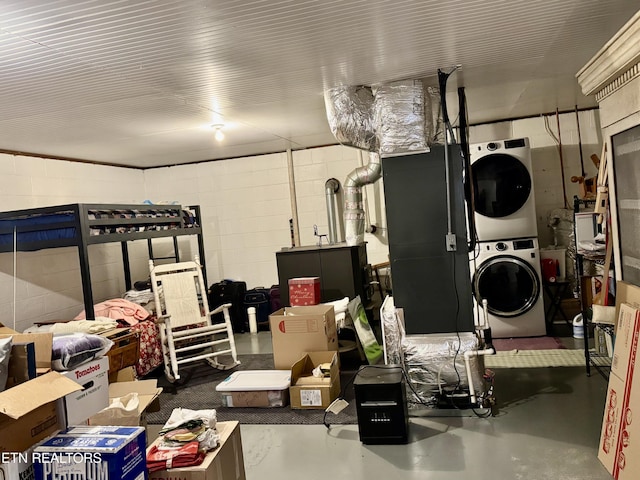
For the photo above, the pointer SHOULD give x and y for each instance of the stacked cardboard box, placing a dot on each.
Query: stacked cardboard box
(298, 330)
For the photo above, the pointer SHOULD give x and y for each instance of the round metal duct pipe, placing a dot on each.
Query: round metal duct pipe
(354, 217)
(331, 188)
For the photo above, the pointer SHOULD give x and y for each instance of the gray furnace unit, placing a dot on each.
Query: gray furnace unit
(429, 267)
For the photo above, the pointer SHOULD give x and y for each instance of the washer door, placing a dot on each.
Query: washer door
(501, 184)
(509, 284)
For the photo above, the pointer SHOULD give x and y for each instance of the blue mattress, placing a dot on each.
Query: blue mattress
(40, 228)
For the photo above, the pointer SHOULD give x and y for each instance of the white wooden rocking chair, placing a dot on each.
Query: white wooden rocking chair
(187, 333)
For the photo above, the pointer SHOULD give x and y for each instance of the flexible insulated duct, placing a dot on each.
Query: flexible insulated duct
(399, 117)
(349, 112)
(354, 216)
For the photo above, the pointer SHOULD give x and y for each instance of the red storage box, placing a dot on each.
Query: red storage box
(304, 291)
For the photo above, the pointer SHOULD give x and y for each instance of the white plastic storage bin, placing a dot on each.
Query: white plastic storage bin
(256, 388)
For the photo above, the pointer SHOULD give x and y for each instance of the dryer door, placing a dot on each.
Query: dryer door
(501, 185)
(509, 284)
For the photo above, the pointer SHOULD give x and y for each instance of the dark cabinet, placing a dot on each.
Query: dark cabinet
(343, 270)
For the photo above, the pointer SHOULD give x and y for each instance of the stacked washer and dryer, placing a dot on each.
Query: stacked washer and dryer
(505, 265)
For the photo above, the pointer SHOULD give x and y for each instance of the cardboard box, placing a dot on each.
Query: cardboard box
(93, 376)
(22, 363)
(625, 338)
(626, 293)
(304, 291)
(43, 346)
(620, 455)
(309, 392)
(28, 411)
(17, 466)
(224, 463)
(92, 453)
(127, 374)
(147, 392)
(298, 330)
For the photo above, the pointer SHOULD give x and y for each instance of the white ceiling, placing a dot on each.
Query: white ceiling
(139, 82)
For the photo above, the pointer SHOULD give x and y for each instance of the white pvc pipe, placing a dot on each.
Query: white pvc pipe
(253, 323)
(467, 355)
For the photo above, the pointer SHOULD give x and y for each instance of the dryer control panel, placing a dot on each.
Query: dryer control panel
(523, 244)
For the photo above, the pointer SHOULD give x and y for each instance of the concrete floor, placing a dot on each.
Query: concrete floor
(547, 426)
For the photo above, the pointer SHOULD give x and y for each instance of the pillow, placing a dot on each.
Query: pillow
(72, 350)
(5, 354)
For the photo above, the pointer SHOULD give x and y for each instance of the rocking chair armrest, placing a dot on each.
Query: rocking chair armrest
(162, 318)
(219, 309)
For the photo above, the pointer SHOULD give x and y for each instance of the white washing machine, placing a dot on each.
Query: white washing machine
(504, 203)
(507, 274)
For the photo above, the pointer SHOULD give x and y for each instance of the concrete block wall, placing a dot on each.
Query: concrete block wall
(246, 207)
(47, 283)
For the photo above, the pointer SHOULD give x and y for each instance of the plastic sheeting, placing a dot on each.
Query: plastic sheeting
(392, 333)
(434, 363)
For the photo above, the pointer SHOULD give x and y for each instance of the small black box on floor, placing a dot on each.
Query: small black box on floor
(381, 405)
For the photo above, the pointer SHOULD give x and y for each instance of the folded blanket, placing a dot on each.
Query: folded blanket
(118, 309)
(99, 325)
(162, 458)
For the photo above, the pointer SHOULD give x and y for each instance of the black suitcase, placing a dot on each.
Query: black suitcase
(229, 291)
(259, 299)
(274, 298)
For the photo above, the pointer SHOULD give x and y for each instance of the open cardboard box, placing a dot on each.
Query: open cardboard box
(309, 392)
(148, 397)
(226, 462)
(43, 345)
(28, 411)
(22, 364)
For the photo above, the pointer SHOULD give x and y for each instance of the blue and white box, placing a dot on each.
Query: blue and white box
(93, 453)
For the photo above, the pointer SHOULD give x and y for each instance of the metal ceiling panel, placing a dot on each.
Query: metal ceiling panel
(112, 80)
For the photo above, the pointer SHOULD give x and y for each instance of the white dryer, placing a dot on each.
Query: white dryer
(507, 274)
(504, 203)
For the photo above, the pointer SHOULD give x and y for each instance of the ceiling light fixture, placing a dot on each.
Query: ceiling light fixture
(219, 135)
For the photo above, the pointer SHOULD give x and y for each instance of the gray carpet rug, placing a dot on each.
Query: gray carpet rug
(196, 390)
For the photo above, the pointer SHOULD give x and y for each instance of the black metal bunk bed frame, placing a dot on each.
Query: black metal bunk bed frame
(91, 224)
